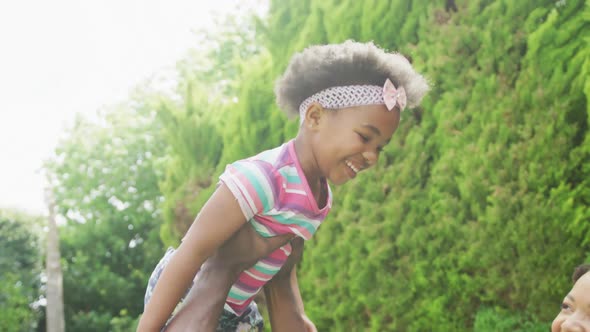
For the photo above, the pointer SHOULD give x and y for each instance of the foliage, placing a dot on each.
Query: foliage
(15, 311)
(20, 270)
(497, 319)
(480, 194)
(105, 180)
(205, 124)
(194, 148)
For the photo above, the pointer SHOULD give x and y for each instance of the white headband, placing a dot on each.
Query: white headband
(357, 95)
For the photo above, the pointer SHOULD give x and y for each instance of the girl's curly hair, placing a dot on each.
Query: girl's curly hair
(350, 63)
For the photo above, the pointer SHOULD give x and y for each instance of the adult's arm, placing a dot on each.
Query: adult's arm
(284, 301)
(204, 303)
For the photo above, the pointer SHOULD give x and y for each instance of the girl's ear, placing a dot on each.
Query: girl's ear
(314, 115)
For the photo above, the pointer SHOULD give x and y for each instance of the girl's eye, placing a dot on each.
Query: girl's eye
(565, 306)
(364, 138)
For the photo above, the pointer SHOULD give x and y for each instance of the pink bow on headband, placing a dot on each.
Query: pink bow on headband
(393, 96)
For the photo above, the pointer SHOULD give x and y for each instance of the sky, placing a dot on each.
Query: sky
(63, 57)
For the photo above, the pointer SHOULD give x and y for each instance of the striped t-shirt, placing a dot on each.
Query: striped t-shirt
(275, 197)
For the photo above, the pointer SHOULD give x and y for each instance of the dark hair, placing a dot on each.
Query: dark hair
(580, 271)
(350, 63)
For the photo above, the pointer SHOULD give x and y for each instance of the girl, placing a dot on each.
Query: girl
(349, 97)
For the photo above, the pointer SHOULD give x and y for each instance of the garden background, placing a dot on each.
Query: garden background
(473, 219)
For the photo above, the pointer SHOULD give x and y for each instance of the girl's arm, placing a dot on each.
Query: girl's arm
(218, 274)
(285, 305)
(218, 220)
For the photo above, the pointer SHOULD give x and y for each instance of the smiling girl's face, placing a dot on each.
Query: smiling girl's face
(350, 140)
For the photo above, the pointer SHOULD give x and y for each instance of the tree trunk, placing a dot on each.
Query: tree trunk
(55, 302)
